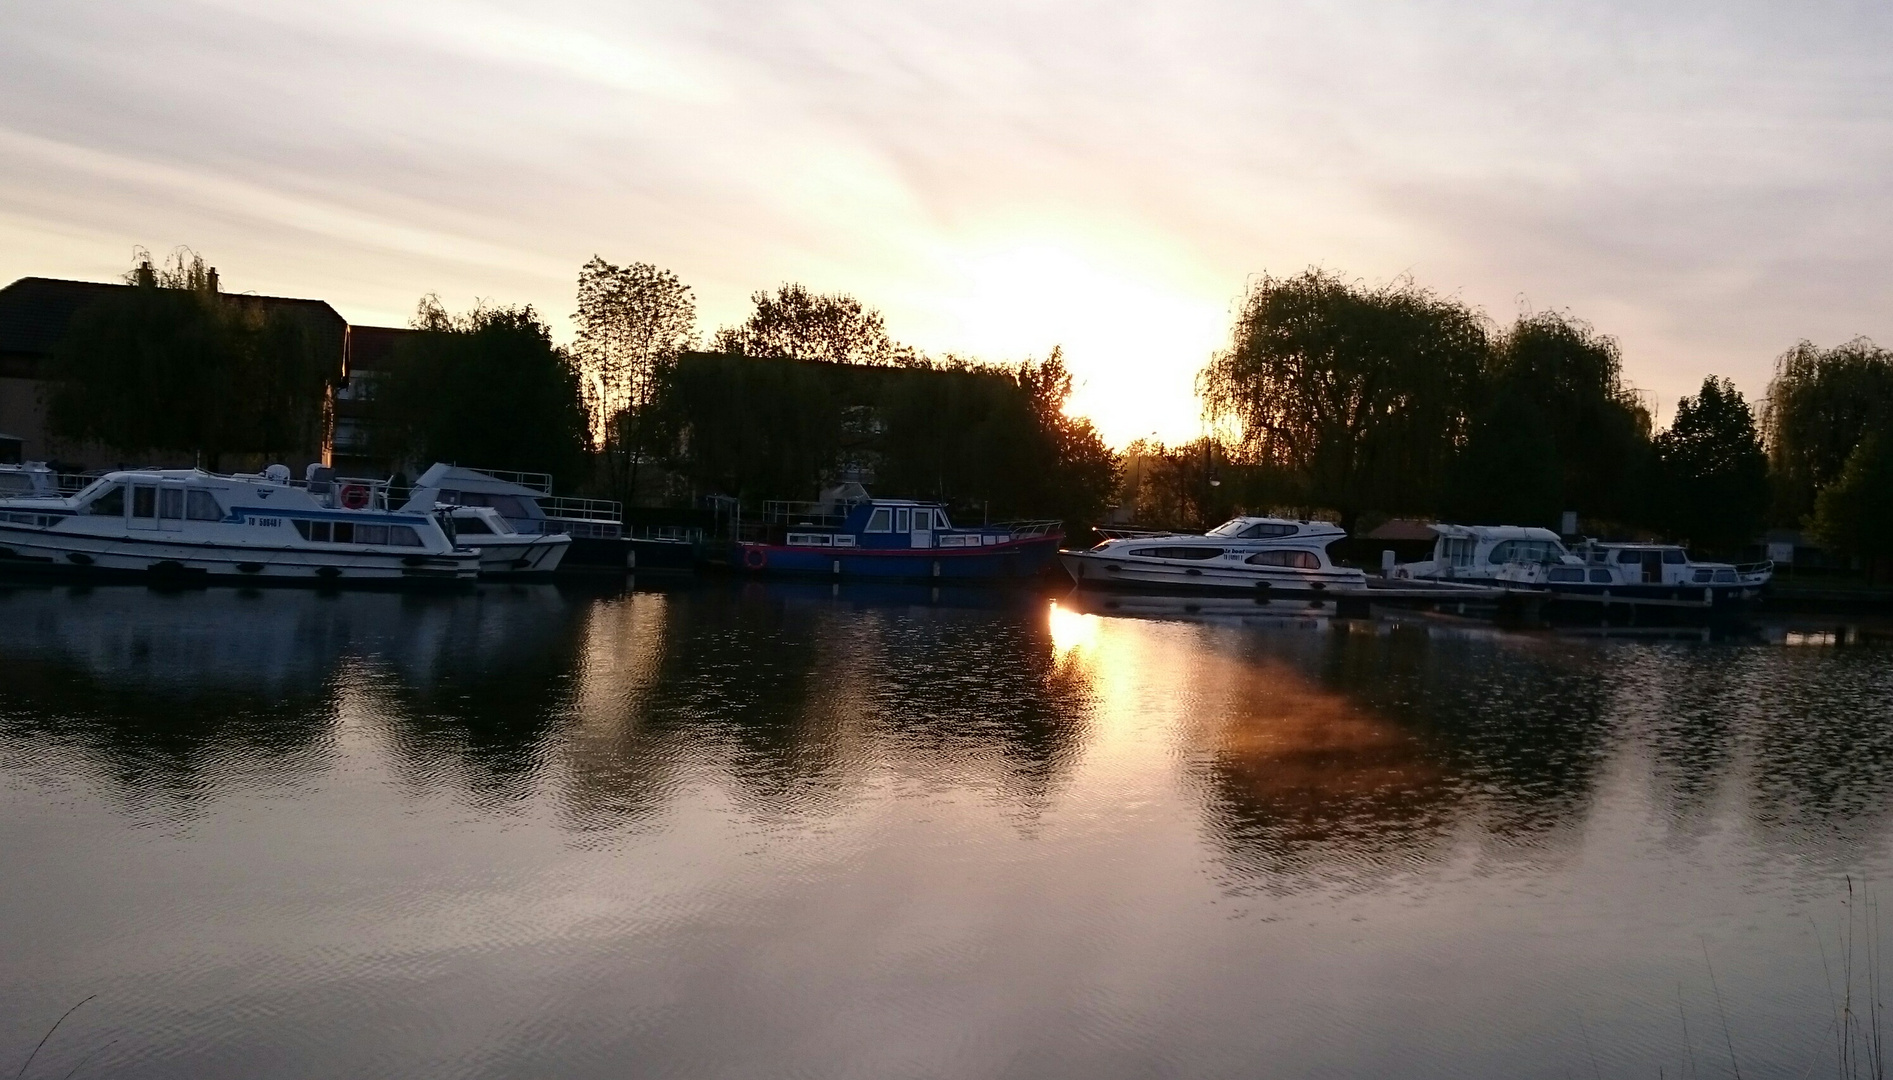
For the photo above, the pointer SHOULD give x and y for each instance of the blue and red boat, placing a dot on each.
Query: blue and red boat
(849, 535)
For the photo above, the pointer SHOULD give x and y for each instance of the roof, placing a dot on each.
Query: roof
(35, 311)
(1496, 532)
(1402, 529)
(371, 348)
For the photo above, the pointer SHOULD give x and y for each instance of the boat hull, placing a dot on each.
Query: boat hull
(1013, 561)
(521, 556)
(46, 552)
(1094, 571)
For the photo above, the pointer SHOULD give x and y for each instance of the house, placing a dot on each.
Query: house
(34, 315)
(372, 352)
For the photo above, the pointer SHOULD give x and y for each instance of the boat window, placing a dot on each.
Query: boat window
(171, 503)
(371, 534)
(1269, 528)
(344, 532)
(1567, 573)
(1674, 556)
(1600, 577)
(508, 506)
(1702, 576)
(111, 503)
(940, 520)
(314, 530)
(1178, 552)
(903, 520)
(144, 502)
(881, 520)
(15, 483)
(1300, 560)
(403, 536)
(1725, 577)
(471, 525)
(1629, 557)
(202, 506)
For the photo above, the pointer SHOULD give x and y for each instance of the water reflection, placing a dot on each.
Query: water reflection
(931, 831)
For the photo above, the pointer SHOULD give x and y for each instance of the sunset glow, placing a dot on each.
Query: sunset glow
(1700, 181)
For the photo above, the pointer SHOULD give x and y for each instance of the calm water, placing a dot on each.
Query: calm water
(755, 832)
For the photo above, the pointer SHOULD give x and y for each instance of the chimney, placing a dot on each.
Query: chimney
(211, 280)
(146, 275)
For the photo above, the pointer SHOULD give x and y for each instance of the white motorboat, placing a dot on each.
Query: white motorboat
(1526, 557)
(504, 550)
(1246, 554)
(525, 500)
(245, 527)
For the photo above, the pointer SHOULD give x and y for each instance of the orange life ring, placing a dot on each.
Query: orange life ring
(354, 496)
(755, 558)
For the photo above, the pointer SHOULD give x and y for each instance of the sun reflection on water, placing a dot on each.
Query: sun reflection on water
(1072, 631)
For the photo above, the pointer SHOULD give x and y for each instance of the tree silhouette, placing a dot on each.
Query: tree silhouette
(805, 325)
(1715, 476)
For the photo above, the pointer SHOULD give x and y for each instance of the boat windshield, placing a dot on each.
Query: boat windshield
(1255, 530)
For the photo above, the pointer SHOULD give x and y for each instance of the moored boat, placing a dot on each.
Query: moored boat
(850, 535)
(1523, 557)
(504, 551)
(250, 528)
(1244, 555)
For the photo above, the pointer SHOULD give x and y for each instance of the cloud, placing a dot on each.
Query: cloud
(1703, 180)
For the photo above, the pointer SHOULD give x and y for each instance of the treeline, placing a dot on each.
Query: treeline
(1372, 402)
(174, 366)
(808, 390)
(1332, 396)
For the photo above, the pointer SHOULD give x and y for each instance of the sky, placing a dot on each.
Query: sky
(1707, 182)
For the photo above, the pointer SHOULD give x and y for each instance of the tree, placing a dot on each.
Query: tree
(1366, 392)
(1820, 404)
(1854, 514)
(173, 365)
(1715, 476)
(1570, 378)
(813, 326)
(1509, 472)
(633, 321)
(487, 389)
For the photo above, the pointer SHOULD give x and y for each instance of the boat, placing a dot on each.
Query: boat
(594, 527)
(504, 551)
(1514, 556)
(1243, 555)
(259, 528)
(848, 534)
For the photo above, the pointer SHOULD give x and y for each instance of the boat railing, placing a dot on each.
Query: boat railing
(537, 481)
(73, 483)
(568, 508)
(1130, 532)
(826, 515)
(1031, 530)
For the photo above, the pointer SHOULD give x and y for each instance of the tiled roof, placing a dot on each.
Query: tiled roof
(371, 348)
(35, 311)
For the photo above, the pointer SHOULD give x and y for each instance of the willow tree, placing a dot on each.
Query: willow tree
(804, 325)
(633, 322)
(1364, 392)
(1821, 403)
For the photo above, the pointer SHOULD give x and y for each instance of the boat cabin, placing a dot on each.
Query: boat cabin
(866, 522)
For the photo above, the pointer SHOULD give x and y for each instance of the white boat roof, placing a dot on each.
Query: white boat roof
(1303, 528)
(1496, 532)
(456, 478)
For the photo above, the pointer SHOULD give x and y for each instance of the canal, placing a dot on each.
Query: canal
(728, 830)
